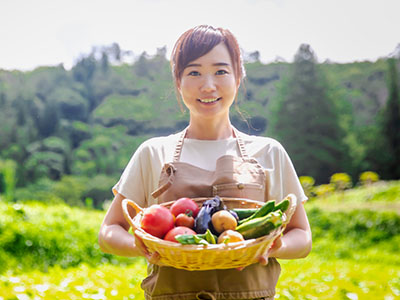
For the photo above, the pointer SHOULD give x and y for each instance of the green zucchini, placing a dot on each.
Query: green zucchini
(260, 212)
(283, 205)
(258, 227)
(244, 213)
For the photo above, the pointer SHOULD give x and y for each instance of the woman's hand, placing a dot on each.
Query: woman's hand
(276, 245)
(263, 259)
(152, 258)
(296, 239)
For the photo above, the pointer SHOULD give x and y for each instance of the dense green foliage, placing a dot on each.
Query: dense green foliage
(391, 125)
(305, 116)
(51, 251)
(84, 124)
(38, 236)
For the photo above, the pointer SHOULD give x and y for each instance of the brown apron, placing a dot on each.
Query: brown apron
(240, 177)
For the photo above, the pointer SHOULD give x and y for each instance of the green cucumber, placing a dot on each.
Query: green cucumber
(244, 213)
(260, 212)
(283, 205)
(258, 227)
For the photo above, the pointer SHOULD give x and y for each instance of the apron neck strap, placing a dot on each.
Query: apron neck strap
(179, 145)
(242, 149)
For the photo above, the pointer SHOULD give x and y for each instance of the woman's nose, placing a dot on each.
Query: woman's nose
(208, 84)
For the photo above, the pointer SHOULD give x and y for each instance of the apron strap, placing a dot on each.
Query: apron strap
(169, 167)
(242, 149)
(170, 170)
(178, 148)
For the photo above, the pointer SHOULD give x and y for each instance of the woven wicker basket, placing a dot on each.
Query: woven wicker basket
(213, 256)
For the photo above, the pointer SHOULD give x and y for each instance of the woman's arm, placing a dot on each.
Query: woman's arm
(114, 237)
(296, 241)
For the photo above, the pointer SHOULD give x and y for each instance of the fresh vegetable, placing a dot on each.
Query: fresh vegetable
(260, 212)
(183, 205)
(212, 239)
(260, 226)
(185, 220)
(230, 236)
(170, 236)
(157, 220)
(191, 239)
(223, 220)
(197, 239)
(203, 220)
(244, 213)
(234, 214)
(283, 205)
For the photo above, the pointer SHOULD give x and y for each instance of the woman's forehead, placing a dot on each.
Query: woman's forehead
(218, 56)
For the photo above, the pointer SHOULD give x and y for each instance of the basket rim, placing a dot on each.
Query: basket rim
(213, 247)
(221, 246)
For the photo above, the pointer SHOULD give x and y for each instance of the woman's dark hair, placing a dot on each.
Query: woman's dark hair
(197, 42)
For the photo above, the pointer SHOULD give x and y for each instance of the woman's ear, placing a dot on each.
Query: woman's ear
(178, 87)
(237, 84)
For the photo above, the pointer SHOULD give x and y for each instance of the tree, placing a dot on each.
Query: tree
(305, 119)
(105, 65)
(69, 103)
(391, 123)
(47, 120)
(83, 72)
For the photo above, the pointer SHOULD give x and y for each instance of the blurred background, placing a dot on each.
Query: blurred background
(83, 83)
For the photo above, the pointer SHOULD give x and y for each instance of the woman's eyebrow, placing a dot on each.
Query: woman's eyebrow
(215, 64)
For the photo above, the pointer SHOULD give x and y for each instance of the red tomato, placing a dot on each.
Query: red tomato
(170, 236)
(185, 205)
(157, 220)
(184, 220)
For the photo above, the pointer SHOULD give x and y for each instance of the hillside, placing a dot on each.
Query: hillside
(86, 122)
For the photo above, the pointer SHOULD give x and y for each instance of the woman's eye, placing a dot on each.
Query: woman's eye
(221, 72)
(194, 73)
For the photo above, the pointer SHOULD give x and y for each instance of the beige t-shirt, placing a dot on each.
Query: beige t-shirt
(141, 176)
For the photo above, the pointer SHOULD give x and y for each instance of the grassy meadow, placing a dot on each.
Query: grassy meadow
(50, 251)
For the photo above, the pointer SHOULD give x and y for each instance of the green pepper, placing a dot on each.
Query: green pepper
(197, 239)
(190, 239)
(210, 237)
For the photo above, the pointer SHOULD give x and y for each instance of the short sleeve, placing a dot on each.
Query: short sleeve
(131, 183)
(282, 178)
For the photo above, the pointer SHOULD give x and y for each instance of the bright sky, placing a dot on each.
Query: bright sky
(50, 32)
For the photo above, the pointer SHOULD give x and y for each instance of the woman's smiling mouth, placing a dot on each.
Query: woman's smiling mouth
(209, 100)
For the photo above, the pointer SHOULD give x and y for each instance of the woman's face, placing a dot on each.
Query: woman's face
(208, 85)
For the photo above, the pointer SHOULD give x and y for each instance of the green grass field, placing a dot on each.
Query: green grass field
(356, 238)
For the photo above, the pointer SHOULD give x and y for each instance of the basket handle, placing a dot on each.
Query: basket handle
(292, 207)
(137, 208)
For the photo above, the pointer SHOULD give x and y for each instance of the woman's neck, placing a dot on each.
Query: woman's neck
(217, 130)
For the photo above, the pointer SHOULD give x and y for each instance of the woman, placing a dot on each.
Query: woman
(210, 157)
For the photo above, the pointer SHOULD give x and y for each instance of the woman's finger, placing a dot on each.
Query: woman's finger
(154, 258)
(277, 243)
(263, 260)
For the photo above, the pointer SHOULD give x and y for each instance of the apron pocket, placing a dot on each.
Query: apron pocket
(253, 191)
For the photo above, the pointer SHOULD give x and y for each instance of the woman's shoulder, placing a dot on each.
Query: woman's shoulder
(159, 143)
(262, 142)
